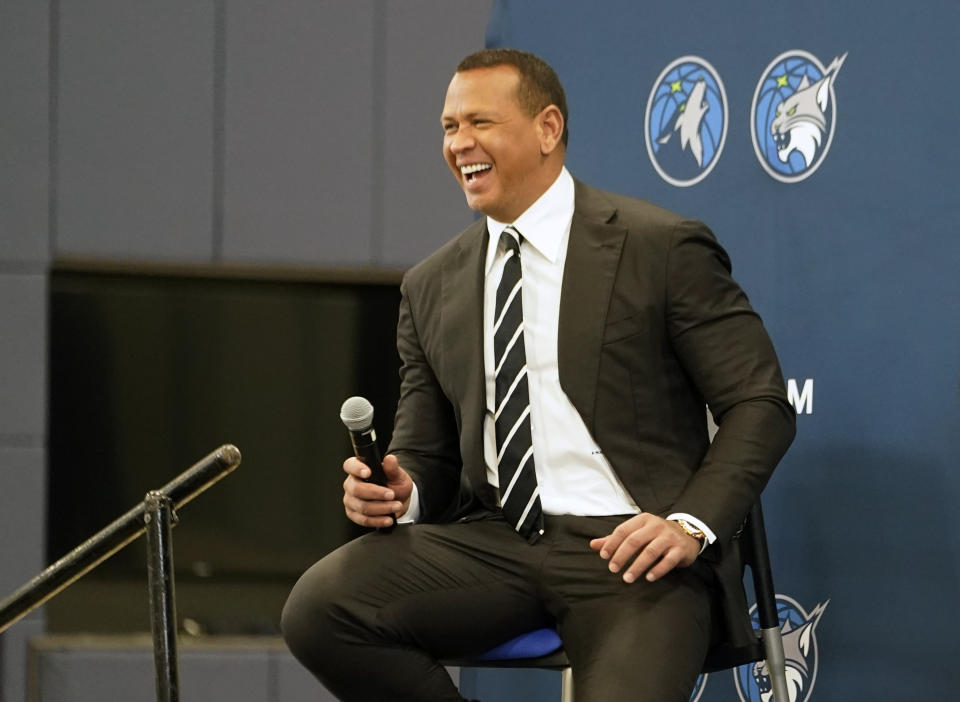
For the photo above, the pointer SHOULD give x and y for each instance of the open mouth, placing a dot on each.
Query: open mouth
(782, 140)
(474, 171)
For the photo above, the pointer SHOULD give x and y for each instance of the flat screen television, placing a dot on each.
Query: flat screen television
(150, 371)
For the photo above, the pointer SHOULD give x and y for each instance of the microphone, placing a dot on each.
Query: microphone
(357, 415)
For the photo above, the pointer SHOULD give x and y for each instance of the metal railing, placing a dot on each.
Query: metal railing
(156, 516)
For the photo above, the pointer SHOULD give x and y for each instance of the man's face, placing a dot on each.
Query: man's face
(494, 148)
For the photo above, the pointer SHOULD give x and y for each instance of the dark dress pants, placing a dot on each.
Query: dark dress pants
(371, 619)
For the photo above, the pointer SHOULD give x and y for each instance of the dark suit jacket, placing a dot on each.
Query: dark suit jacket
(652, 327)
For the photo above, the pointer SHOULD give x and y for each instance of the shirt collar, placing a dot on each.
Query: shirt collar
(543, 224)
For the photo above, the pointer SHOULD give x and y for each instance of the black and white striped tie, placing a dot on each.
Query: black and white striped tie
(519, 492)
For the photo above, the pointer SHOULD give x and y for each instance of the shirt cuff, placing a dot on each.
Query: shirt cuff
(413, 511)
(690, 519)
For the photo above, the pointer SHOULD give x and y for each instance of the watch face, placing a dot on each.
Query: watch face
(692, 531)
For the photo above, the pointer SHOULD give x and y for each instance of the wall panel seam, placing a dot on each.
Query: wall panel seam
(53, 115)
(378, 85)
(218, 124)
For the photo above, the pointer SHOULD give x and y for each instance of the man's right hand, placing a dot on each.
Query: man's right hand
(372, 505)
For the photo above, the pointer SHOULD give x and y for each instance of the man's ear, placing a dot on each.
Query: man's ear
(549, 129)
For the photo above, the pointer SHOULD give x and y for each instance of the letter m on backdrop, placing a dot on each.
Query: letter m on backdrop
(802, 400)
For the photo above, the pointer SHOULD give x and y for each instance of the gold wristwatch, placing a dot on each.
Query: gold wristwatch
(691, 530)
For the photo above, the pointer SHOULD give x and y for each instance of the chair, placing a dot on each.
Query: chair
(543, 648)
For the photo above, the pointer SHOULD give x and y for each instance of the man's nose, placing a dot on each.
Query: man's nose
(461, 141)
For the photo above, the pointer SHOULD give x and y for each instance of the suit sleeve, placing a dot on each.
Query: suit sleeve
(728, 355)
(425, 437)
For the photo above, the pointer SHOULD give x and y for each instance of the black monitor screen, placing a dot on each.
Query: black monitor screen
(149, 373)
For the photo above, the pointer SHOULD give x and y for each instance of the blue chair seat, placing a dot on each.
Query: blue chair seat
(533, 644)
(540, 648)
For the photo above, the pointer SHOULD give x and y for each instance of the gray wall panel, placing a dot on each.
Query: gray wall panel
(299, 115)
(22, 359)
(24, 248)
(227, 676)
(22, 485)
(22, 499)
(13, 657)
(24, 173)
(93, 671)
(295, 684)
(135, 129)
(423, 206)
(85, 676)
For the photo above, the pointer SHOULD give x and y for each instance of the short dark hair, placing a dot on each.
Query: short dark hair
(539, 84)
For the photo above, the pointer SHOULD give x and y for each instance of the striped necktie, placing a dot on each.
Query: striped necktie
(519, 492)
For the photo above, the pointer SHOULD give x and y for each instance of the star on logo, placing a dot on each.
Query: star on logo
(676, 86)
(782, 81)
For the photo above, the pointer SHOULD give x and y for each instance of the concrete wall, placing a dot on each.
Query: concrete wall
(25, 174)
(298, 132)
(92, 669)
(295, 132)
(77, 668)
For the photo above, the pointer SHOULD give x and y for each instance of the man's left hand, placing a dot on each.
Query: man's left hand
(655, 545)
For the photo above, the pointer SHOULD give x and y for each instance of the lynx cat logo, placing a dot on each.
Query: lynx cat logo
(800, 650)
(794, 114)
(686, 121)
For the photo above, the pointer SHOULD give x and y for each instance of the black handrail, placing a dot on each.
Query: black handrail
(114, 537)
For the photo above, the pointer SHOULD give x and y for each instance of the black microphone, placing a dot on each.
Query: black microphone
(357, 415)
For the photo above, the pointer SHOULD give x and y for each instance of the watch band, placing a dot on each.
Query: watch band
(691, 530)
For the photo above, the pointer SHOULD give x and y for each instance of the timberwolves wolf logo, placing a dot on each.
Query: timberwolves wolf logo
(794, 114)
(686, 121)
(800, 650)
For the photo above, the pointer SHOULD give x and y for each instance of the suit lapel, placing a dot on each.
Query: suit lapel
(462, 330)
(593, 255)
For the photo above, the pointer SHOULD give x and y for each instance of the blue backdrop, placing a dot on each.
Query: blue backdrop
(849, 251)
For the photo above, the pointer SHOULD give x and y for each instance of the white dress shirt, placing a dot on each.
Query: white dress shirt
(573, 474)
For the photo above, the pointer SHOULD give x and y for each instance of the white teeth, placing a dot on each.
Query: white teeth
(474, 168)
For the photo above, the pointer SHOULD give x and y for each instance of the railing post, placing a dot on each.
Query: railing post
(159, 516)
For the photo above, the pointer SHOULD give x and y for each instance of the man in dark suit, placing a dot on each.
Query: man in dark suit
(616, 519)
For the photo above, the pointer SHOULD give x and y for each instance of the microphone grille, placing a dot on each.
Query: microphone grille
(356, 413)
